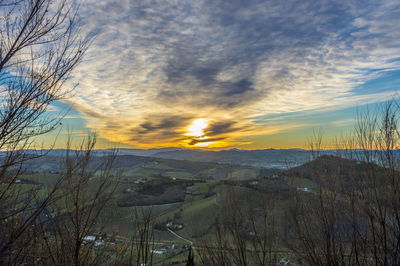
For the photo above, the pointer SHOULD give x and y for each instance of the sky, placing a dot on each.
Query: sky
(230, 74)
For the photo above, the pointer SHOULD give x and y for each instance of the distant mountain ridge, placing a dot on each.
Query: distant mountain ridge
(144, 166)
(269, 158)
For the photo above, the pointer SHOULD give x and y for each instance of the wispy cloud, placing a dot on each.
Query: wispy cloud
(156, 66)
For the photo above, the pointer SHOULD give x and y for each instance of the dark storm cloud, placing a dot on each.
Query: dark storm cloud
(221, 127)
(235, 59)
(163, 123)
(195, 141)
(160, 127)
(234, 39)
(241, 87)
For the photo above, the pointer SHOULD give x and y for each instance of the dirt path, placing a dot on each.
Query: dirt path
(181, 237)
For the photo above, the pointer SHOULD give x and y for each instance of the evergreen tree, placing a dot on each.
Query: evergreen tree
(190, 260)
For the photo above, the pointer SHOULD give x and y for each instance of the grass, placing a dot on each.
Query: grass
(41, 178)
(198, 216)
(199, 188)
(301, 182)
(181, 175)
(244, 173)
(181, 257)
(197, 213)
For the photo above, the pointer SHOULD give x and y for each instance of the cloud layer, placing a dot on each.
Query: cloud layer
(157, 66)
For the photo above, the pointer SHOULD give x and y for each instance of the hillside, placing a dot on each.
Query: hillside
(139, 166)
(194, 195)
(269, 158)
(336, 173)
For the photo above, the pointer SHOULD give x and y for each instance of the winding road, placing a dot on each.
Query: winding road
(181, 237)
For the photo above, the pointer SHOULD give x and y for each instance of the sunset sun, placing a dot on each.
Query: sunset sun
(196, 129)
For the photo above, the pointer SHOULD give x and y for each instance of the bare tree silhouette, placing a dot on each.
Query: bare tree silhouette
(40, 45)
(353, 215)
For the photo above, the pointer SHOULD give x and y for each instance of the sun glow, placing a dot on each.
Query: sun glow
(196, 129)
(196, 137)
(203, 144)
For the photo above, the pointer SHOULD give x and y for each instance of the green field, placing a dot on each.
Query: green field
(187, 193)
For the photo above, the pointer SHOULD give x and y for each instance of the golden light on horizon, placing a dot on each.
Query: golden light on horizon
(195, 132)
(203, 144)
(196, 129)
(196, 136)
